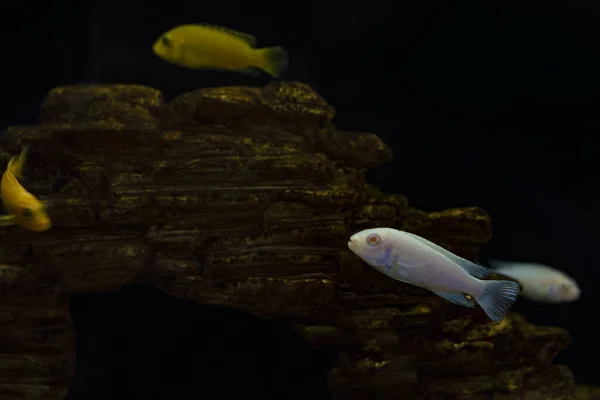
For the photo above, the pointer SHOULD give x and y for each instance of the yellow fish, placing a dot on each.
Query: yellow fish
(23, 208)
(198, 46)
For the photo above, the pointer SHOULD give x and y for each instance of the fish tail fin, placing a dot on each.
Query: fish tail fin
(16, 166)
(497, 298)
(275, 60)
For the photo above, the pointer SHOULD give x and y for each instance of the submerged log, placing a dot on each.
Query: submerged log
(245, 197)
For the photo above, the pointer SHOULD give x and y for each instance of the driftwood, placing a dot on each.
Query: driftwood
(245, 197)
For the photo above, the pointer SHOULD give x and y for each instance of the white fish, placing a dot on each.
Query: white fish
(412, 259)
(540, 283)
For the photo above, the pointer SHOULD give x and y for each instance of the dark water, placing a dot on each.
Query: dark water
(501, 100)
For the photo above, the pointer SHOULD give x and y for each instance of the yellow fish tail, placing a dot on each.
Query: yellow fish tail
(16, 164)
(274, 60)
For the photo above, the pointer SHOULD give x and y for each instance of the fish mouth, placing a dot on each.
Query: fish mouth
(351, 243)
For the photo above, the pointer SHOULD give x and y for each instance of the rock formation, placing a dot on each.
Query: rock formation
(245, 197)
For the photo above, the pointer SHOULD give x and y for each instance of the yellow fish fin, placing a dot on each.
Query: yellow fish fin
(246, 37)
(275, 60)
(15, 165)
(7, 220)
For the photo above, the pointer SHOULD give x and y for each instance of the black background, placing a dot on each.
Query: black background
(489, 105)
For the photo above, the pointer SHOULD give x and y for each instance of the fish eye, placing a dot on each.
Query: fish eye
(27, 213)
(166, 40)
(373, 239)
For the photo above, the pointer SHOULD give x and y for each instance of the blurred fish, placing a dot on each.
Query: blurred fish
(198, 46)
(412, 259)
(23, 208)
(541, 283)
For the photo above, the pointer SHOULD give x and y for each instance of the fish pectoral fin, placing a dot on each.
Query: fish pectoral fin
(246, 37)
(457, 298)
(7, 220)
(408, 263)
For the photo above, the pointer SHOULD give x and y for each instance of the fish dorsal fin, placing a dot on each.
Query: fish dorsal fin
(246, 37)
(473, 269)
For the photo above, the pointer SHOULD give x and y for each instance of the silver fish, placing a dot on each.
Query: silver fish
(412, 259)
(540, 283)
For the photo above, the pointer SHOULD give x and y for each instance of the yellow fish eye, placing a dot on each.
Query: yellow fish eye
(27, 213)
(166, 40)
